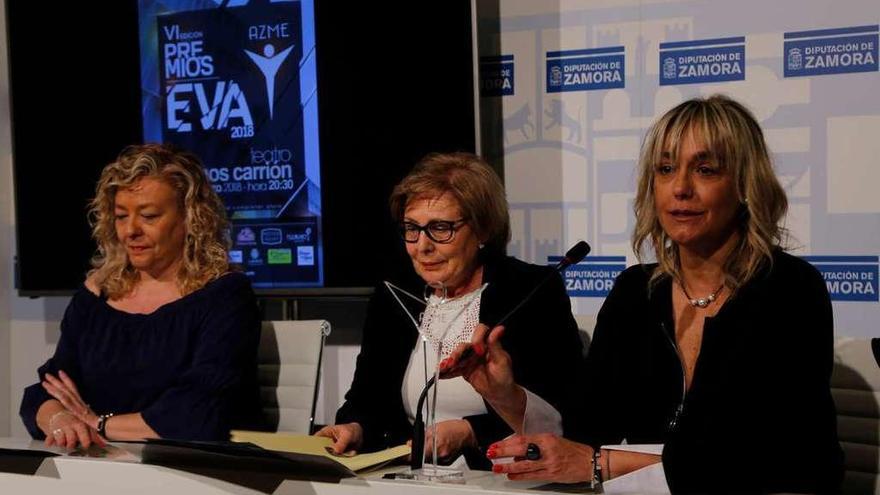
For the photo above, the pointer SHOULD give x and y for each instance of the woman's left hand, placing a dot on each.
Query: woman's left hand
(561, 460)
(64, 390)
(452, 437)
(65, 430)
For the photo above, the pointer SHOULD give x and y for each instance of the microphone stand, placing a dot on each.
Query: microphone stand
(419, 424)
(573, 256)
(418, 443)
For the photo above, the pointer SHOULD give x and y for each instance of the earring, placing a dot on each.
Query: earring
(482, 245)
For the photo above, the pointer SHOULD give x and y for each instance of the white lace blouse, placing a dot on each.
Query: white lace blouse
(444, 325)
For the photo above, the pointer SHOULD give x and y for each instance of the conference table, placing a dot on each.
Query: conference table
(123, 472)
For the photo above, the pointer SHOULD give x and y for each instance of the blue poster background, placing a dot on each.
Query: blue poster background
(237, 86)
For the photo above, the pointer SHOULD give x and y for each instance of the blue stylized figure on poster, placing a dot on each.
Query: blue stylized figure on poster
(269, 63)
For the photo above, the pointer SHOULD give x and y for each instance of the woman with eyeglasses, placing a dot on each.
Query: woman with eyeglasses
(453, 218)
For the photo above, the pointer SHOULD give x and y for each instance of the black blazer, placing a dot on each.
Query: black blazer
(759, 415)
(541, 337)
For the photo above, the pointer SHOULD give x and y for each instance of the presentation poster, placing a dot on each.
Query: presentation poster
(235, 83)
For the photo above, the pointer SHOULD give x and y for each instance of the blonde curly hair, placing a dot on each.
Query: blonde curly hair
(734, 137)
(206, 244)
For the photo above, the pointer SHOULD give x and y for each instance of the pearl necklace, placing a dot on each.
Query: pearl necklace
(702, 302)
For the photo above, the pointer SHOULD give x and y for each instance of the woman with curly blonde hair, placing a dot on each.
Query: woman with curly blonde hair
(205, 247)
(161, 340)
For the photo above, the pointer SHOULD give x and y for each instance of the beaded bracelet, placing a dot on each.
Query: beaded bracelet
(102, 424)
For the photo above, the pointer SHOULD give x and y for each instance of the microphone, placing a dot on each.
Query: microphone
(573, 256)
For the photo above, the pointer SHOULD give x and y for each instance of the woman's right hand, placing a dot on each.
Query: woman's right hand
(65, 391)
(66, 430)
(489, 368)
(347, 438)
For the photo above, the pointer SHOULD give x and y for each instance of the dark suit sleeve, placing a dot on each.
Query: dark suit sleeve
(553, 348)
(543, 342)
(779, 435)
(65, 358)
(374, 399)
(595, 415)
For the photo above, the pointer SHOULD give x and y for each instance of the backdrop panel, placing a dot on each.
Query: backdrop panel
(569, 88)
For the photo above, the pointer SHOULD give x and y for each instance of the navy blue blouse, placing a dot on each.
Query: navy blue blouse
(190, 367)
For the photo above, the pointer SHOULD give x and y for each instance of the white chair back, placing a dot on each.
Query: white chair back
(855, 385)
(290, 371)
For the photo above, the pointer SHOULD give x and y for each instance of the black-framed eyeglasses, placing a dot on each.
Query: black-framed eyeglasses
(440, 231)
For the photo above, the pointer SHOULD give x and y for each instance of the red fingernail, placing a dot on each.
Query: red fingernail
(493, 446)
(491, 454)
(497, 468)
(479, 349)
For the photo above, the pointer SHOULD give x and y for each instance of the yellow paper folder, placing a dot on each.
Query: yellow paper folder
(307, 444)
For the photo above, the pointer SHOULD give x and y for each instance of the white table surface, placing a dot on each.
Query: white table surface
(70, 475)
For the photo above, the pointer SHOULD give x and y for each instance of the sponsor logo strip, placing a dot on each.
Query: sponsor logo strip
(703, 61)
(593, 277)
(587, 69)
(496, 75)
(848, 278)
(831, 51)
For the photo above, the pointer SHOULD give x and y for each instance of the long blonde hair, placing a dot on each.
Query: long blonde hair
(206, 244)
(733, 136)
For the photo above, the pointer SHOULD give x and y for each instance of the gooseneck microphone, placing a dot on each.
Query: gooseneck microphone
(573, 256)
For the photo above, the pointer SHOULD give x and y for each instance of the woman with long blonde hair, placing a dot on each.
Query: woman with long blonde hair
(719, 353)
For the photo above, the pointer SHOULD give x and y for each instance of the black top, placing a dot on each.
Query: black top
(189, 367)
(541, 337)
(758, 417)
